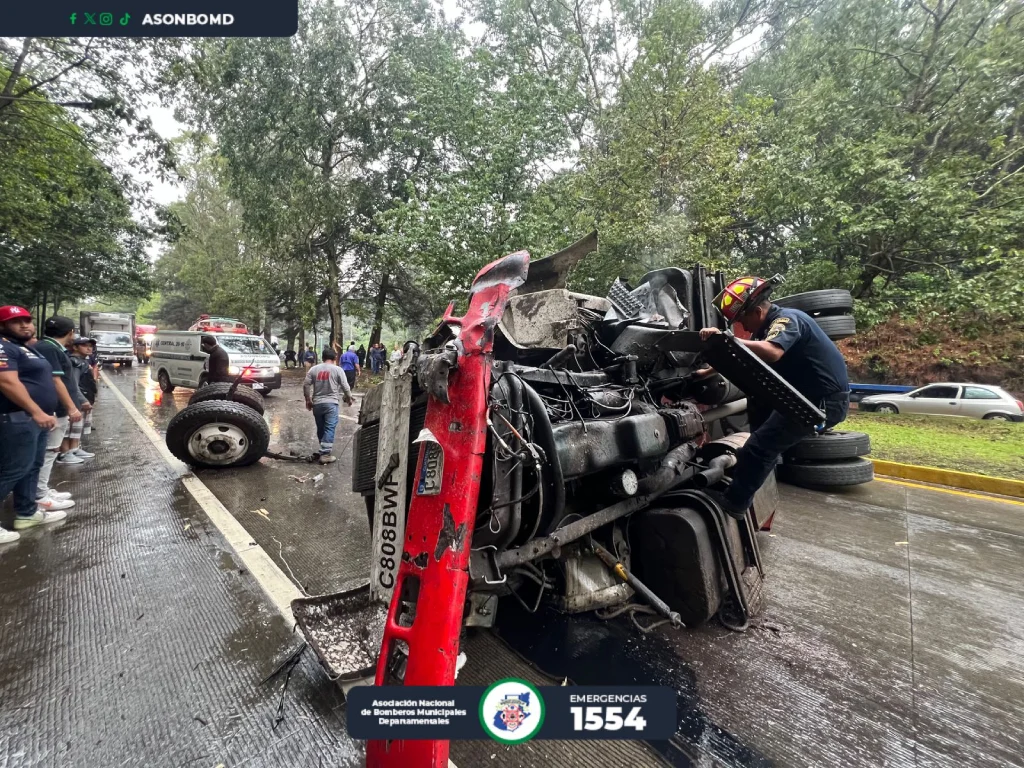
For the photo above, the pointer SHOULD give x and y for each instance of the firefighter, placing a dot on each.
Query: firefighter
(795, 346)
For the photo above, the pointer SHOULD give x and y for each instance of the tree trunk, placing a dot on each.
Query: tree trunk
(42, 317)
(334, 301)
(378, 315)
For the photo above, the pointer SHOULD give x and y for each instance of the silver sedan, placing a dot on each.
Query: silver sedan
(973, 401)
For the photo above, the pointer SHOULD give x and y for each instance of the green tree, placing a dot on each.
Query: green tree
(893, 160)
(66, 225)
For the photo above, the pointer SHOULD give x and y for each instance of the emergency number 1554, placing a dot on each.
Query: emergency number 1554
(605, 719)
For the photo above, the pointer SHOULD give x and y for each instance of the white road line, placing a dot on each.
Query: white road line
(278, 587)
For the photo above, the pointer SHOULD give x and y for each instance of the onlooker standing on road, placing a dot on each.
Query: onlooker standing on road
(218, 362)
(57, 332)
(28, 399)
(361, 354)
(350, 365)
(396, 355)
(309, 357)
(322, 386)
(80, 349)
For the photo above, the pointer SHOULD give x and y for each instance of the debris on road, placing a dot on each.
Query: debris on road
(299, 479)
(318, 478)
(261, 512)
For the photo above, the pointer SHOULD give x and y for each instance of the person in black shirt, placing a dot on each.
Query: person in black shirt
(57, 334)
(795, 346)
(80, 349)
(217, 363)
(28, 399)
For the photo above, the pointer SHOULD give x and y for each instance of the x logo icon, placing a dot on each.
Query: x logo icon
(90, 18)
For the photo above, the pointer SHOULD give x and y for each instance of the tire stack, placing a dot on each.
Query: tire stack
(830, 309)
(834, 458)
(235, 412)
(831, 459)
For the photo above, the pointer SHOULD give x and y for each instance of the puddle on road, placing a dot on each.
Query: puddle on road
(590, 651)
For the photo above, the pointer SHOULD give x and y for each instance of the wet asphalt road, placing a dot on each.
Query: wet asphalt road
(132, 636)
(894, 633)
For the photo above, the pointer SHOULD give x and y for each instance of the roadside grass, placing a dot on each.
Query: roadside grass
(993, 448)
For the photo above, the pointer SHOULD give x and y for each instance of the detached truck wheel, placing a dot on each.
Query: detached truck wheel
(837, 444)
(219, 391)
(828, 474)
(218, 434)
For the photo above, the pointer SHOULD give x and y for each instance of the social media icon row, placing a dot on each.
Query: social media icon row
(103, 19)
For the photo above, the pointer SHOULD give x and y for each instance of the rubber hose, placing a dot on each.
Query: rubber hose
(544, 434)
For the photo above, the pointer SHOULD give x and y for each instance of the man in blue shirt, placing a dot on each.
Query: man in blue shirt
(309, 357)
(350, 365)
(795, 346)
(28, 400)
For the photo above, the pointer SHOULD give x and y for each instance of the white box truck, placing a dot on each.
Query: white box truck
(114, 334)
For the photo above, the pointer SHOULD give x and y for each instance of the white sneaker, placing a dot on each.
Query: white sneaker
(51, 504)
(8, 537)
(41, 517)
(69, 458)
(58, 495)
(82, 453)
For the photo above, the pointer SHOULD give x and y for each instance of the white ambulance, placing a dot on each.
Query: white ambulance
(177, 360)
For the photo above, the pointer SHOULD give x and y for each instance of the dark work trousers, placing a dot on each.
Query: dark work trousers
(777, 434)
(22, 449)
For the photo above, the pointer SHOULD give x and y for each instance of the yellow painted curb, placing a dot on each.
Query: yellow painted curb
(1002, 486)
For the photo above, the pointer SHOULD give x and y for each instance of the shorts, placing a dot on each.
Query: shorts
(82, 427)
(56, 435)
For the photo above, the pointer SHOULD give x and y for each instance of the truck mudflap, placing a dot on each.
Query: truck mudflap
(421, 633)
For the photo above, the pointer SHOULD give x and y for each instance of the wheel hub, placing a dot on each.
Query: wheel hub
(218, 443)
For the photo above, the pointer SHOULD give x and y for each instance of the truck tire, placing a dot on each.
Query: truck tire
(830, 302)
(219, 391)
(165, 382)
(218, 434)
(837, 444)
(837, 326)
(826, 474)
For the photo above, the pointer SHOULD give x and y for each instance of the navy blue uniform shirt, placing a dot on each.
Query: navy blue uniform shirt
(33, 371)
(811, 362)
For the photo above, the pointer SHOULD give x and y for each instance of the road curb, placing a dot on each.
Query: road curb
(1001, 486)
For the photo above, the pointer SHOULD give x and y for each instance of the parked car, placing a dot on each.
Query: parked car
(973, 401)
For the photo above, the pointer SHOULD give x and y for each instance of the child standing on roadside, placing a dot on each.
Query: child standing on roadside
(81, 348)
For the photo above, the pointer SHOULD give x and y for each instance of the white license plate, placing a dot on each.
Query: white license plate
(431, 470)
(257, 386)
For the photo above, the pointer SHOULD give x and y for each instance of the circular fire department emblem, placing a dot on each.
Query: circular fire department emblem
(512, 711)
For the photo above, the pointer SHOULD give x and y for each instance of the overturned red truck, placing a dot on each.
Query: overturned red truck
(549, 446)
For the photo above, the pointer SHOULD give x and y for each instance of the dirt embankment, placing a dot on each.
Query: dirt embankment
(919, 352)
